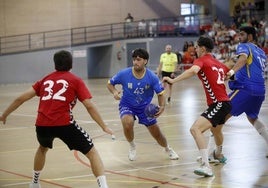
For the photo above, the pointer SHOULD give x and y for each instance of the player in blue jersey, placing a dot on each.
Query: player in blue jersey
(247, 85)
(139, 85)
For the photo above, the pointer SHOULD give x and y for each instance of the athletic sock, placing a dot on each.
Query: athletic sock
(218, 150)
(132, 144)
(36, 175)
(102, 183)
(204, 156)
(211, 144)
(262, 130)
(167, 148)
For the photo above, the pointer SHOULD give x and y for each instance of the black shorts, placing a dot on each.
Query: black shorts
(217, 112)
(168, 74)
(72, 135)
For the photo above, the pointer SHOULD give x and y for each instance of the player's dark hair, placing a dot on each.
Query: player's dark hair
(207, 42)
(63, 60)
(142, 53)
(249, 30)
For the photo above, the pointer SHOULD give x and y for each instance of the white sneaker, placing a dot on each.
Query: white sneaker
(132, 154)
(172, 154)
(34, 185)
(204, 170)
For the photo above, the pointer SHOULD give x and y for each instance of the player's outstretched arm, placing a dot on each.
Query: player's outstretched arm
(95, 115)
(185, 75)
(114, 91)
(27, 95)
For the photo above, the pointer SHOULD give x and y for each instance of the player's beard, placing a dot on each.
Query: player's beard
(138, 68)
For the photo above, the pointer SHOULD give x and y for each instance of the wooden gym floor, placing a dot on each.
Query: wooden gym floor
(245, 150)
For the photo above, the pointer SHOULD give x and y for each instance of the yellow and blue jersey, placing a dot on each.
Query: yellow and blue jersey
(251, 76)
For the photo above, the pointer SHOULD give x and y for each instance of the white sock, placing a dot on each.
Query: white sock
(167, 148)
(204, 155)
(36, 175)
(211, 144)
(102, 183)
(262, 130)
(132, 144)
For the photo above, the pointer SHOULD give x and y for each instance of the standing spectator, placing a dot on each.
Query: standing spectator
(236, 13)
(251, 7)
(189, 56)
(211, 73)
(168, 67)
(139, 85)
(142, 28)
(58, 93)
(129, 25)
(244, 11)
(185, 46)
(153, 28)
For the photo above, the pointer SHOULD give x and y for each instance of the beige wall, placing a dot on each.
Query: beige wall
(31, 16)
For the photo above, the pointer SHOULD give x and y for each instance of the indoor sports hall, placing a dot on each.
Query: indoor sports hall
(101, 41)
(246, 165)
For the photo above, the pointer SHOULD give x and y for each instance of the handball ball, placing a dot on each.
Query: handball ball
(151, 109)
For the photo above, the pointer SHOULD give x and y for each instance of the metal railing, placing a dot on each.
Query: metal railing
(183, 25)
(90, 34)
(60, 38)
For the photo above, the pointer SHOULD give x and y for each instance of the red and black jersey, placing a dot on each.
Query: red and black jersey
(58, 94)
(212, 75)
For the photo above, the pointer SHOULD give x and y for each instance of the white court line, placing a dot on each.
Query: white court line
(13, 128)
(14, 184)
(125, 171)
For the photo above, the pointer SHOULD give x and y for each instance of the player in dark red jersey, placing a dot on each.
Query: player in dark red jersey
(211, 73)
(58, 93)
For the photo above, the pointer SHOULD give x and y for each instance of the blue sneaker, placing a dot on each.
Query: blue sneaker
(217, 159)
(213, 158)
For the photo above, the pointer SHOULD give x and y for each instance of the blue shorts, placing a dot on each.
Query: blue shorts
(244, 102)
(138, 113)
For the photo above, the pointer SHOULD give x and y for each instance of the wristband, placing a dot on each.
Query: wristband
(231, 72)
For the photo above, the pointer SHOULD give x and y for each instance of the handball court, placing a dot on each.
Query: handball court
(246, 166)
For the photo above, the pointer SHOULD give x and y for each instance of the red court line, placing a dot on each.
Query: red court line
(122, 174)
(24, 176)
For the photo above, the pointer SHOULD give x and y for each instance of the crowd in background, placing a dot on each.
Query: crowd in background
(226, 37)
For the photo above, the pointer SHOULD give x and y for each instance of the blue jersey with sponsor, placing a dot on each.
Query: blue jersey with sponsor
(251, 76)
(137, 92)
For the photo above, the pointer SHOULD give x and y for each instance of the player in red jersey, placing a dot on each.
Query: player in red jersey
(58, 93)
(211, 73)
